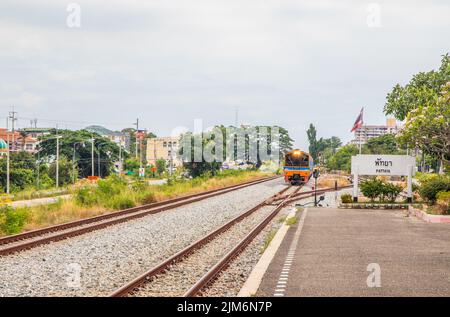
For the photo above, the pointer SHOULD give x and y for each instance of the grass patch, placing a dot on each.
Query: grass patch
(268, 239)
(291, 221)
(113, 194)
(12, 220)
(32, 193)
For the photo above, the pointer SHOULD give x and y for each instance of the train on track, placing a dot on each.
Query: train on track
(298, 167)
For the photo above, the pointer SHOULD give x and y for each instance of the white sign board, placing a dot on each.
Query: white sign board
(383, 164)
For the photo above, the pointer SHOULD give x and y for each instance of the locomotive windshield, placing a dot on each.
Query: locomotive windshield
(297, 160)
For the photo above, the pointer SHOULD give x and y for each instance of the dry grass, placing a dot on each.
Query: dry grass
(60, 212)
(327, 180)
(66, 210)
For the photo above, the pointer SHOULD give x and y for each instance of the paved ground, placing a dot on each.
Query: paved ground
(334, 248)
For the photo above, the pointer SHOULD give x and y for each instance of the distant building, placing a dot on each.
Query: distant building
(120, 138)
(367, 132)
(37, 132)
(19, 141)
(165, 148)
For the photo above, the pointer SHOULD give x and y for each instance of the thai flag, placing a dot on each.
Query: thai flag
(359, 121)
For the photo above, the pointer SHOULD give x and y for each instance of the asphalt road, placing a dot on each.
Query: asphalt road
(336, 246)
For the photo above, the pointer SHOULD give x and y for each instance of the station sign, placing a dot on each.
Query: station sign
(390, 165)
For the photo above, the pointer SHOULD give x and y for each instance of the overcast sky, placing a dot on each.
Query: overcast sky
(168, 62)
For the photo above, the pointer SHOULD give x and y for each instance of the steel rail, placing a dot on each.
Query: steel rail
(311, 193)
(133, 286)
(91, 224)
(213, 273)
(319, 191)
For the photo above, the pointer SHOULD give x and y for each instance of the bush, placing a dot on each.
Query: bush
(376, 188)
(373, 188)
(429, 189)
(103, 193)
(425, 177)
(391, 191)
(113, 185)
(12, 220)
(86, 196)
(346, 198)
(148, 198)
(120, 202)
(443, 201)
(138, 186)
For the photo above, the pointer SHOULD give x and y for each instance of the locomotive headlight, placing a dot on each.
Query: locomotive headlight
(297, 153)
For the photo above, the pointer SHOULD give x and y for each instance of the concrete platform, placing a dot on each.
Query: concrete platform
(329, 255)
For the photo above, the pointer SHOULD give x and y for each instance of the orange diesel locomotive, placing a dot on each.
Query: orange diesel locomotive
(298, 167)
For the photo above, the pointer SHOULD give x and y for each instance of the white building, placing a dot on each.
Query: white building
(367, 132)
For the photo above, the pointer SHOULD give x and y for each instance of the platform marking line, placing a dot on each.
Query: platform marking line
(284, 278)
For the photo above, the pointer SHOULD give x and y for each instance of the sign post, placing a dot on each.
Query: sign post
(141, 172)
(316, 173)
(386, 165)
(355, 182)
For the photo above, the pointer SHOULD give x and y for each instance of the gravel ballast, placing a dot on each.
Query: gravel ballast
(183, 275)
(97, 263)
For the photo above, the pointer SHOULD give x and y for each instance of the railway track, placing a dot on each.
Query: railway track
(169, 277)
(31, 239)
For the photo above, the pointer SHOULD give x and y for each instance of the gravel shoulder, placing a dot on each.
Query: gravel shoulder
(183, 275)
(97, 263)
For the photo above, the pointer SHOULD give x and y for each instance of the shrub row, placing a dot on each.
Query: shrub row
(12, 220)
(384, 191)
(431, 186)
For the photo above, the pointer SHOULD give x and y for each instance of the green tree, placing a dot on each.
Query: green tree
(65, 171)
(131, 164)
(160, 166)
(131, 132)
(286, 141)
(322, 145)
(342, 159)
(81, 140)
(22, 171)
(384, 144)
(428, 127)
(312, 139)
(253, 136)
(202, 167)
(423, 89)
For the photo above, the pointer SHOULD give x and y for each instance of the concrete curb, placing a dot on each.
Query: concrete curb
(252, 283)
(427, 217)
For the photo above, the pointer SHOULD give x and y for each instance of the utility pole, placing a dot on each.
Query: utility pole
(99, 166)
(57, 157)
(171, 159)
(120, 157)
(92, 156)
(7, 157)
(12, 116)
(137, 132)
(38, 181)
(140, 153)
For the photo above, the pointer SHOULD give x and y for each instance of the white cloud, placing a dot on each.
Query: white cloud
(287, 62)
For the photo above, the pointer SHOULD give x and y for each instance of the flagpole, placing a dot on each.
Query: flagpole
(360, 135)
